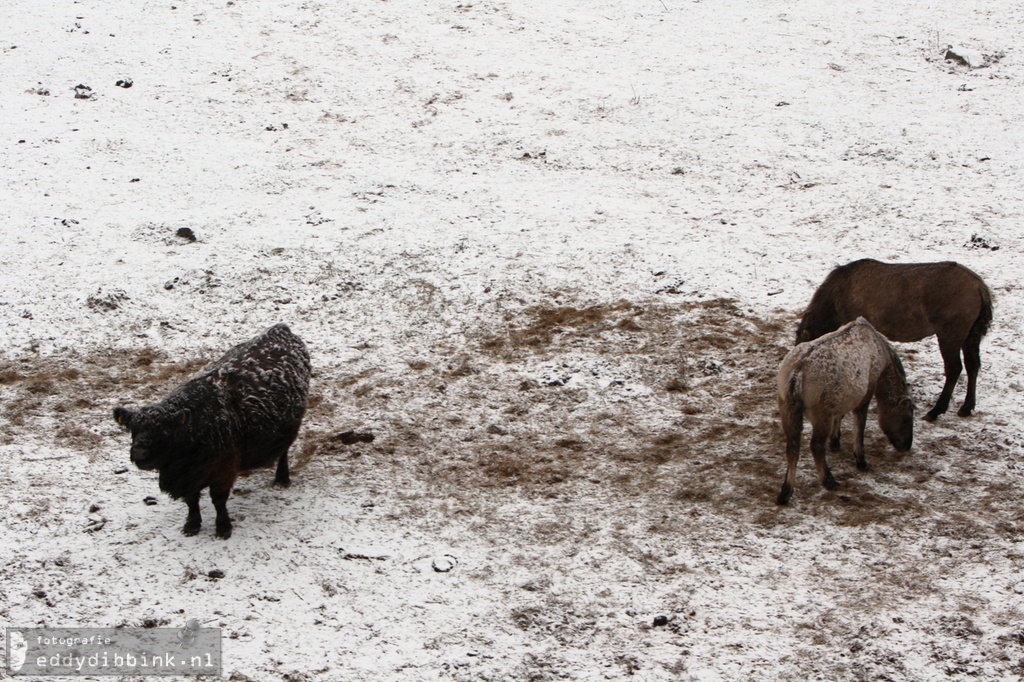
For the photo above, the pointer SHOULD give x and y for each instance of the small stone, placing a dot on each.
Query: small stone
(96, 522)
(444, 564)
(1019, 587)
(965, 56)
(121, 470)
(186, 233)
(124, 83)
(215, 574)
(149, 500)
(93, 508)
(660, 621)
(352, 437)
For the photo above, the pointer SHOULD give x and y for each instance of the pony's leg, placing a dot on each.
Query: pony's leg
(818, 438)
(833, 439)
(793, 429)
(950, 349)
(972, 362)
(860, 418)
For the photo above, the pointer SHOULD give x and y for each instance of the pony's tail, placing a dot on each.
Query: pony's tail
(791, 413)
(980, 326)
(793, 406)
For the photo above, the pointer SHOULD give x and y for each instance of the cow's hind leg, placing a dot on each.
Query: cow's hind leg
(220, 489)
(950, 349)
(219, 494)
(281, 477)
(194, 521)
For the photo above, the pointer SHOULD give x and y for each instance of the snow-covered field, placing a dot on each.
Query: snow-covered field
(550, 254)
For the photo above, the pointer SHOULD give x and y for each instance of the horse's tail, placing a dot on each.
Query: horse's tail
(980, 326)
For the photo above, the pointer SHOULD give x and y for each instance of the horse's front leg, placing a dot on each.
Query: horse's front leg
(818, 438)
(860, 419)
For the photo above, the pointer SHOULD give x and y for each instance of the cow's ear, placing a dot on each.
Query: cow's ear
(122, 416)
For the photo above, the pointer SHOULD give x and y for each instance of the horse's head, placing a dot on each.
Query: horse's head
(819, 319)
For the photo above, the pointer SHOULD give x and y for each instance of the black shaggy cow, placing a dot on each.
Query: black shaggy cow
(241, 412)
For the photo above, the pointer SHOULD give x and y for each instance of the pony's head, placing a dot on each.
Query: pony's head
(897, 422)
(895, 407)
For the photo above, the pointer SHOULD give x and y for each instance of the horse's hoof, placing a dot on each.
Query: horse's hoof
(190, 530)
(224, 533)
(962, 412)
(863, 466)
(282, 484)
(782, 499)
(931, 416)
(830, 484)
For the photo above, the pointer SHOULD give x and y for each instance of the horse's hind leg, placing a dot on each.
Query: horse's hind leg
(950, 350)
(825, 478)
(972, 363)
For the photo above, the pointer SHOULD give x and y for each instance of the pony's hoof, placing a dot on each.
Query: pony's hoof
(830, 484)
(782, 499)
(964, 412)
(223, 532)
(863, 466)
(931, 416)
(190, 529)
(282, 484)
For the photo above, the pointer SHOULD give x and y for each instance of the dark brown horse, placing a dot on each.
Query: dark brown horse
(908, 302)
(831, 376)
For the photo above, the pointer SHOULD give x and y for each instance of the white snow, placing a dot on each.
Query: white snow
(504, 230)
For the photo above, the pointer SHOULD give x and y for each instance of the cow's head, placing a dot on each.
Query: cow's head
(157, 433)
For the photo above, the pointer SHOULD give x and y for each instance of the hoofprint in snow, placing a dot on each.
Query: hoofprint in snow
(550, 255)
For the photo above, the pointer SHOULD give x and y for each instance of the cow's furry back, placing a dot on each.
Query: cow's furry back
(240, 412)
(264, 384)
